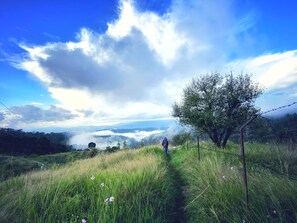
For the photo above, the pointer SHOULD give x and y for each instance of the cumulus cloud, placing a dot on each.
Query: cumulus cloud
(274, 71)
(138, 52)
(139, 65)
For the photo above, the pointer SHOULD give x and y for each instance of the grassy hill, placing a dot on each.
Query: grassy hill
(138, 181)
(145, 186)
(11, 166)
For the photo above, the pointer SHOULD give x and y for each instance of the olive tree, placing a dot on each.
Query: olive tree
(216, 105)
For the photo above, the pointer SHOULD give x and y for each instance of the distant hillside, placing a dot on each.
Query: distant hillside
(17, 142)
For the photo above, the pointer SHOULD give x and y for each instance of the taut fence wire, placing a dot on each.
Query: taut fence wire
(242, 156)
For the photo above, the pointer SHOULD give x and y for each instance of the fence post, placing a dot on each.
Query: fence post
(243, 161)
(198, 145)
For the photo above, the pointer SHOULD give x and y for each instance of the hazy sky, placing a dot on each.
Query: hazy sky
(98, 62)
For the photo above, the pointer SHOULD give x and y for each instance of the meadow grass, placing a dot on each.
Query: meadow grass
(11, 166)
(146, 186)
(215, 190)
(127, 186)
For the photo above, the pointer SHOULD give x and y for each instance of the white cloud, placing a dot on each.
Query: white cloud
(138, 67)
(274, 71)
(137, 135)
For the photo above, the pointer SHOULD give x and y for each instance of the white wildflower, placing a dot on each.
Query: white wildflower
(93, 177)
(110, 199)
(102, 185)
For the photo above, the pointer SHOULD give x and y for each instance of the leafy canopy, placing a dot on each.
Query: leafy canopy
(216, 105)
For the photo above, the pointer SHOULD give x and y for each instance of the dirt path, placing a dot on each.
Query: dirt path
(178, 216)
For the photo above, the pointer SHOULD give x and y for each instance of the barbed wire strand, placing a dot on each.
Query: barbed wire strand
(8, 109)
(222, 152)
(263, 165)
(278, 108)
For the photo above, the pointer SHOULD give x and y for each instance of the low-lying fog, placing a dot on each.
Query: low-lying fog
(131, 137)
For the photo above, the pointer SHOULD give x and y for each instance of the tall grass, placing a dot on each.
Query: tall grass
(137, 180)
(215, 191)
(144, 186)
(279, 157)
(11, 166)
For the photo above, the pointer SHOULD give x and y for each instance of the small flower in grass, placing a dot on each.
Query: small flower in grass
(84, 220)
(93, 177)
(102, 185)
(272, 213)
(110, 199)
(232, 168)
(224, 177)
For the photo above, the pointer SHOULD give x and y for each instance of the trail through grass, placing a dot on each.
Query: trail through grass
(146, 186)
(178, 215)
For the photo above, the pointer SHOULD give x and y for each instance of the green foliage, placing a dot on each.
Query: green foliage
(93, 152)
(217, 105)
(16, 142)
(91, 145)
(112, 149)
(14, 166)
(280, 130)
(181, 138)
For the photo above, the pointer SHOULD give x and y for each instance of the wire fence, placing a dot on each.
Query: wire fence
(268, 130)
(291, 176)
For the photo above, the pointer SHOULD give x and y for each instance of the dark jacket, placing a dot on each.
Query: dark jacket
(165, 142)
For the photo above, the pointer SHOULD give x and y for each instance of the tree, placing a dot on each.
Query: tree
(91, 145)
(181, 138)
(125, 145)
(217, 105)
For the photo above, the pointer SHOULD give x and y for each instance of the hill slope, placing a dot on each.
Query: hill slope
(128, 186)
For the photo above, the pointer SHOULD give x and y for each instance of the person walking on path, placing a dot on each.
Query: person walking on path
(165, 145)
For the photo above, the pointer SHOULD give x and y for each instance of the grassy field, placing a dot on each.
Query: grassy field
(11, 166)
(215, 190)
(145, 186)
(128, 186)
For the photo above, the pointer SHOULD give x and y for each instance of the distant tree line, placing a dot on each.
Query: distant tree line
(280, 130)
(18, 142)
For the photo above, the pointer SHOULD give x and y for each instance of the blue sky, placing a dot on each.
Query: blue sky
(66, 64)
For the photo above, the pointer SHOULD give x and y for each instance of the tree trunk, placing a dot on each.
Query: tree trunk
(226, 137)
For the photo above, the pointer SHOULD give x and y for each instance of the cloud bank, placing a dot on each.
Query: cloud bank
(137, 68)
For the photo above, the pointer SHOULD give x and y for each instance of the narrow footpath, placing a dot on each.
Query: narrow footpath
(178, 215)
